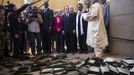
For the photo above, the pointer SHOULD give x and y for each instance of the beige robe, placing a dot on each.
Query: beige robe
(96, 33)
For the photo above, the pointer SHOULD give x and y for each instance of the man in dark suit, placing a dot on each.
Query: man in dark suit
(46, 27)
(17, 30)
(72, 16)
(81, 29)
(67, 30)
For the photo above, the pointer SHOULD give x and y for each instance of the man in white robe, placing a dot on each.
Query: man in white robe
(96, 33)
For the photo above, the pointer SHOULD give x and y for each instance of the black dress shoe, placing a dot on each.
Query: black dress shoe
(81, 52)
(48, 52)
(67, 52)
(15, 57)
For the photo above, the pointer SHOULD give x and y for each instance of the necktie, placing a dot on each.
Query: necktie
(67, 14)
(79, 21)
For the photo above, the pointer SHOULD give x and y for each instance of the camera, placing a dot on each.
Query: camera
(33, 13)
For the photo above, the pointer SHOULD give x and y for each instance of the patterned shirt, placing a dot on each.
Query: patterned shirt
(34, 27)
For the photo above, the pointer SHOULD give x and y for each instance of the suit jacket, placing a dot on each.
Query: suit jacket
(57, 25)
(68, 22)
(73, 20)
(47, 17)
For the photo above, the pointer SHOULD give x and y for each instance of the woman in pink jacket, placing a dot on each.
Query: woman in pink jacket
(58, 31)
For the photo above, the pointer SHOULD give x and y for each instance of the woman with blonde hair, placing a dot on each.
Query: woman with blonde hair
(58, 30)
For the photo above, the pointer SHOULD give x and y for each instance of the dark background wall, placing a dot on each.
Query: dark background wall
(122, 27)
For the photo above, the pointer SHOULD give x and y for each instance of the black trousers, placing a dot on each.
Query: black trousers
(59, 41)
(32, 37)
(69, 40)
(82, 43)
(74, 43)
(46, 41)
(19, 45)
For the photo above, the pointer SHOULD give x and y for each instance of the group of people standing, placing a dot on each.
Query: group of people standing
(82, 31)
(88, 28)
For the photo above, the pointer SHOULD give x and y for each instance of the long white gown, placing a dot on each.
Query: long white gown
(96, 32)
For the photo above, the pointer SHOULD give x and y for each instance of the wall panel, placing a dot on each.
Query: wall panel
(122, 27)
